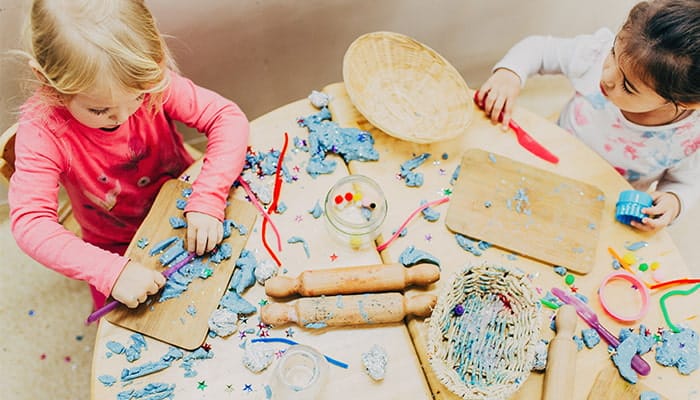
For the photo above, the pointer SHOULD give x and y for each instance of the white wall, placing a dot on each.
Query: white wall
(265, 53)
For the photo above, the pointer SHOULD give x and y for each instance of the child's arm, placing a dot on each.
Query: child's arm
(539, 55)
(227, 131)
(33, 198)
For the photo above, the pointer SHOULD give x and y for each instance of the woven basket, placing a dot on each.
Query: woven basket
(406, 89)
(487, 352)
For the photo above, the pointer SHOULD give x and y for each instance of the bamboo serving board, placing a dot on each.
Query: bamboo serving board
(609, 385)
(527, 210)
(169, 321)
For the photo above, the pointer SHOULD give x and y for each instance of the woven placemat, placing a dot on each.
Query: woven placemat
(406, 89)
(482, 332)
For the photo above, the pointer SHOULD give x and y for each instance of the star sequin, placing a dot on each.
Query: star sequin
(289, 332)
(42, 357)
(279, 354)
(299, 218)
(612, 352)
(262, 302)
(428, 237)
(442, 171)
(333, 257)
(242, 335)
(248, 387)
(264, 332)
(201, 385)
(574, 289)
(446, 192)
(296, 168)
(206, 347)
(229, 388)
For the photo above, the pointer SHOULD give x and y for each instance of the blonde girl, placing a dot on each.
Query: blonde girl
(102, 125)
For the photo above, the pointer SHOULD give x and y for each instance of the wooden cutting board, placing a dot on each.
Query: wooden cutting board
(610, 385)
(169, 321)
(527, 210)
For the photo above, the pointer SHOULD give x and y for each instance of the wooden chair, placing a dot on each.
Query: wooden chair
(7, 168)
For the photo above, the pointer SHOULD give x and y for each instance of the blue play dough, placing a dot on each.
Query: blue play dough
(298, 239)
(412, 256)
(623, 358)
(648, 395)
(317, 211)
(413, 179)
(679, 350)
(152, 391)
(468, 244)
(429, 214)
(590, 338)
(326, 137)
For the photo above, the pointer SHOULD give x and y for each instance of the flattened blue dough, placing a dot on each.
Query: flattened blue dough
(467, 244)
(590, 337)
(326, 136)
(623, 358)
(679, 350)
(244, 275)
(429, 213)
(152, 391)
(107, 380)
(233, 302)
(412, 256)
(298, 239)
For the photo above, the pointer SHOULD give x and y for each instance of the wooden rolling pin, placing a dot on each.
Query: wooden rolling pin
(358, 309)
(349, 280)
(561, 357)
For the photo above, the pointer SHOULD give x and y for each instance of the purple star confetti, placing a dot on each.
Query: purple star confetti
(428, 237)
(298, 218)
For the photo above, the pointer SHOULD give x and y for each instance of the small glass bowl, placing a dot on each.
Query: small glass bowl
(300, 375)
(354, 209)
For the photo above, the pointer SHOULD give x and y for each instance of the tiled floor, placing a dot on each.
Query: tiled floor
(46, 348)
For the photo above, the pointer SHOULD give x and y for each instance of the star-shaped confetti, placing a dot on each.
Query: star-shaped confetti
(229, 388)
(299, 218)
(264, 332)
(42, 357)
(296, 168)
(442, 171)
(574, 289)
(201, 385)
(242, 335)
(186, 178)
(206, 347)
(279, 354)
(261, 325)
(428, 237)
(289, 332)
(612, 352)
(333, 257)
(262, 302)
(248, 387)
(446, 192)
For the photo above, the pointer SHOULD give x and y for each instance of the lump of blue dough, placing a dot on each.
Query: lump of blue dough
(317, 211)
(233, 302)
(229, 225)
(223, 322)
(178, 282)
(222, 252)
(623, 358)
(152, 391)
(162, 245)
(455, 175)
(107, 380)
(177, 222)
(180, 204)
(590, 337)
(413, 179)
(429, 213)
(412, 256)
(467, 244)
(679, 350)
(188, 361)
(326, 137)
(244, 274)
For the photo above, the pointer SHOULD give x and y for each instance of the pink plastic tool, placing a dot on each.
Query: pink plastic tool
(524, 138)
(638, 363)
(107, 308)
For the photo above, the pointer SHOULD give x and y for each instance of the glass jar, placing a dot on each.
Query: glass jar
(300, 374)
(354, 209)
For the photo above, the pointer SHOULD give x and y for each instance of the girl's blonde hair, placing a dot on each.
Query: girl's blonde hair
(80, 45)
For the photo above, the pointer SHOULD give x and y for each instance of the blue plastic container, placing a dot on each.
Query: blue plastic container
(630, 204)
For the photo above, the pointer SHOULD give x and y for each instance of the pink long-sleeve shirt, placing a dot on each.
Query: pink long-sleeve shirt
(112, 178)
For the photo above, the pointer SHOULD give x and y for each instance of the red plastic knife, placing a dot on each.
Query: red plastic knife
(525, 140)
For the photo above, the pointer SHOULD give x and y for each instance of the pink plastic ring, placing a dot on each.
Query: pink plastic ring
(641, 287)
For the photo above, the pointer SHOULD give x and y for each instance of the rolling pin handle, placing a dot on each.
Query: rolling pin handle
(422, 274)
(420, 305)
(561, 358)
(278, 314)
(281, 286)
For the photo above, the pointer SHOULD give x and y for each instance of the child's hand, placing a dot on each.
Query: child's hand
(498, 94)
(204, 232)
(135, 283)
(665, 209)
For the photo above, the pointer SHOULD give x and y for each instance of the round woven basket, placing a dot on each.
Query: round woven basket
(482, 332)
(406, 89)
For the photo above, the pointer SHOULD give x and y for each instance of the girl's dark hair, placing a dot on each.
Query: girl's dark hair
(661, 43)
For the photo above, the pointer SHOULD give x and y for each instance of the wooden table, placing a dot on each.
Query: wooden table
(409, 375)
